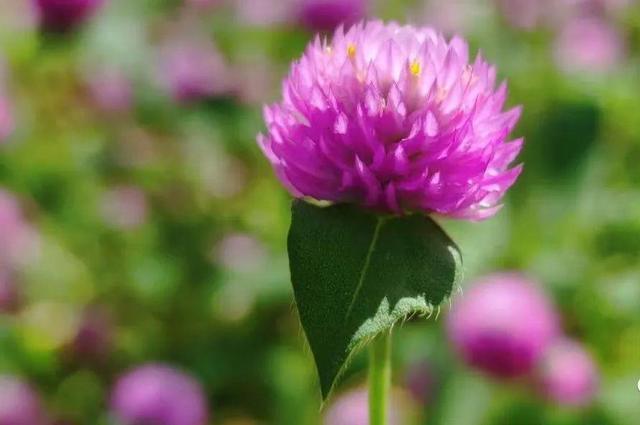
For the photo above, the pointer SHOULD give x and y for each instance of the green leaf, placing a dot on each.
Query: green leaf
(355, 274)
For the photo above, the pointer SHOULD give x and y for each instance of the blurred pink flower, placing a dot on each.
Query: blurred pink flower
(525, 14)
(110, 89)
(160, 395)
(241, 253)
(452, 16)
(326, 15)
(19, 403)
(18, 240)
(264, 13)
(124, 207)
(396, 119)
(65, 15)
(17, 15)
(352, 408)
(193, 69)
(590, 45)
(568, 375)
(502, 325)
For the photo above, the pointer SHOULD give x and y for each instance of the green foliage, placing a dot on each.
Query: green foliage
(355, 274)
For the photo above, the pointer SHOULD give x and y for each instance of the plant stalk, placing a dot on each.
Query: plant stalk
(379, 378)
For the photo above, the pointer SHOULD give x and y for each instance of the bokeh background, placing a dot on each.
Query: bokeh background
(139, 222)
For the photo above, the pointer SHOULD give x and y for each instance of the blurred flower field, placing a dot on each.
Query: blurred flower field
(143, 270)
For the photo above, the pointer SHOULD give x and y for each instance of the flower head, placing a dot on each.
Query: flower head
(19, 403)
(568, 374)
(65, 15)
(396, 119)
(502, 325)
(326, 15)
(160, 395)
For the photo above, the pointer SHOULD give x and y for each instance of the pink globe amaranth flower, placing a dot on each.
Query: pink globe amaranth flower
(326, 15)
(64, 15)
(156, 394)
(568, 375)
(502, 325)
(352, 408)
(396, 119)
(192, 70)
(588, 44)
(19, 403)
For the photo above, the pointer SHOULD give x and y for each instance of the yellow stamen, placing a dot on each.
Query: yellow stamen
(415, 68)
(351, 51)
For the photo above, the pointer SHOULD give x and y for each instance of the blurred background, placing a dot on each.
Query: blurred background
(143, 269)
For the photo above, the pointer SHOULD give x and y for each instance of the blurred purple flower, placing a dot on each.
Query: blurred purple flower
(352, 408)
(124, 207)
(110, 90)
(156, 394)
(568, 374)
(94, 336)
(10, 293)
(420, 382)
(192, 70)
(326, 15)
(396, 119)
(18, 240)
(502, 325)
(588, 44)
(19, 403)
(64, 15)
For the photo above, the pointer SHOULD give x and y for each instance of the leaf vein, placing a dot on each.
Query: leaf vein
(363, 273)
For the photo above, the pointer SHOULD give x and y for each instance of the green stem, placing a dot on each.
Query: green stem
(379, 378)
